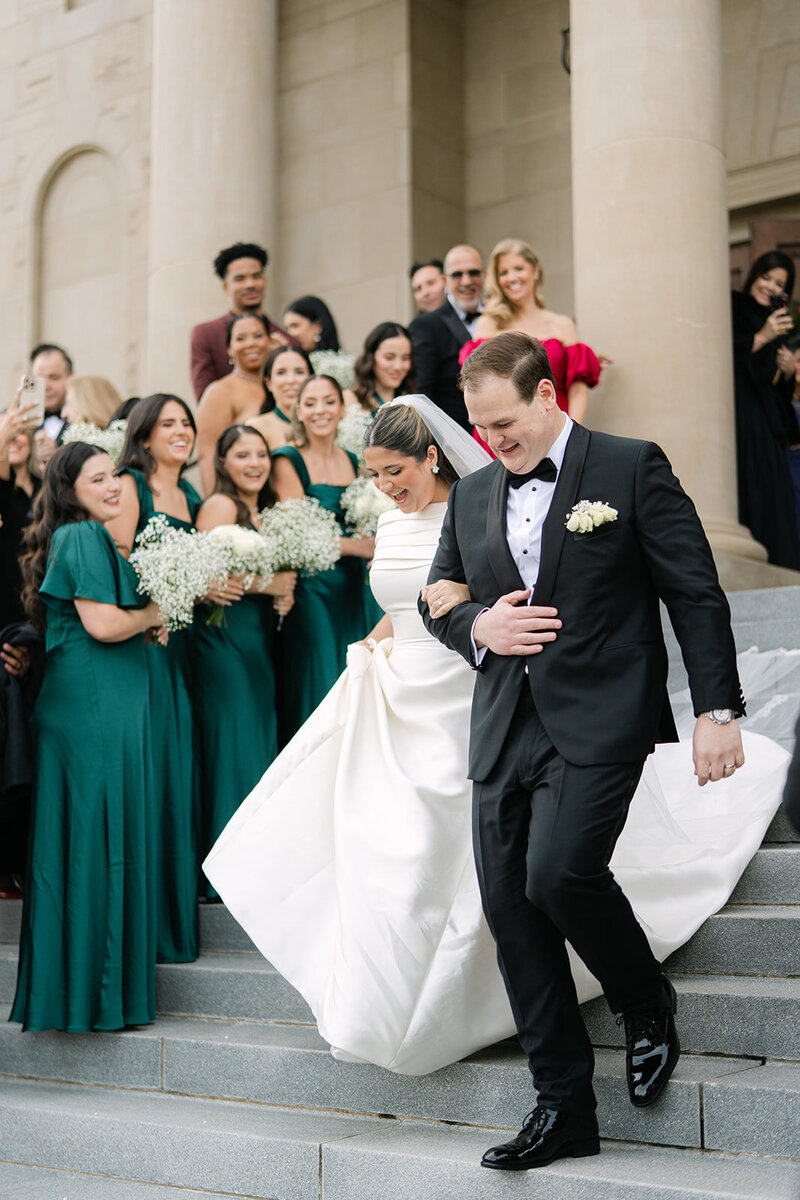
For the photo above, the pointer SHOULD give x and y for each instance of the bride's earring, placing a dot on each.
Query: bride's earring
(435, 469)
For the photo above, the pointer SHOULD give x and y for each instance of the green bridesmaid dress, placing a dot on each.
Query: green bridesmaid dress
(329, 613)
(234, 701)
(88, 944)
(174, 756)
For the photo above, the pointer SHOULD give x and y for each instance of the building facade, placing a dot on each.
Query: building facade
(137, 137)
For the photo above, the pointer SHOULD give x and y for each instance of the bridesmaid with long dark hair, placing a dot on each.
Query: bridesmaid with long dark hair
(330, 608)
(287, 369)
(385, 367)
(88, 952)
(233, 675)
(158, 444)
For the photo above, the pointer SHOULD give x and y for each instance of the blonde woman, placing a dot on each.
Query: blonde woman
(514, 301)
(90, 398)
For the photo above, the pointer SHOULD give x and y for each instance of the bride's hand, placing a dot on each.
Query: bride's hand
(443, 596)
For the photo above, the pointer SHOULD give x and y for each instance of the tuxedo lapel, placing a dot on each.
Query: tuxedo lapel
(554, 529)
(454, 323)
(500, 558)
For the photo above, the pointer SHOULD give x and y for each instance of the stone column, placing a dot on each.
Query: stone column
(213, 156)
(650, 245)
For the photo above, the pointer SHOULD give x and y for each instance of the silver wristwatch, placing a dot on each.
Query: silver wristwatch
(720, 716)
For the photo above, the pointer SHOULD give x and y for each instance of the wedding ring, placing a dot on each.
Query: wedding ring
(729, 767)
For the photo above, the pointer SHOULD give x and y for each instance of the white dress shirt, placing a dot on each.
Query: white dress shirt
(526, 511)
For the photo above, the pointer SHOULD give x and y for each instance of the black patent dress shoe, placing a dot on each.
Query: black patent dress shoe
(652, 1051)
(546, 1135)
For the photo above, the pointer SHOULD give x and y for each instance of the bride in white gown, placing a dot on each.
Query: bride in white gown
(350, 863)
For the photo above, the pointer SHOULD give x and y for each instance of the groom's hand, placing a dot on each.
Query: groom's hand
(511, 626)
(717, 750)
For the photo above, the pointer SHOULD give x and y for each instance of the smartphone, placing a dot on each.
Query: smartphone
(33, 397)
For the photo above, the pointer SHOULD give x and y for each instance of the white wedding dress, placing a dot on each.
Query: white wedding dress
(350, 863)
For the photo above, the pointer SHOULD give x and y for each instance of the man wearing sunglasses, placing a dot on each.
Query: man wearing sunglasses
(438, 336)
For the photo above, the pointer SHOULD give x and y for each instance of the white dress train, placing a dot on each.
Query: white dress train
(350, 863)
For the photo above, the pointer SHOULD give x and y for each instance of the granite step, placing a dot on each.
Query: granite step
(722, 1014)
(772, 877)
(739, 1015)
(284, 1154)
(427, 1162)
(174, 1141)
(745, 940)
(289, 1065)
(46, 1183)
(780, 832)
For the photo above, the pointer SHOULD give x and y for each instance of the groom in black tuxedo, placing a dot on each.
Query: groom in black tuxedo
(564, 631)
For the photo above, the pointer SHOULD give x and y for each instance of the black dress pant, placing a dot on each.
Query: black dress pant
(544, 832)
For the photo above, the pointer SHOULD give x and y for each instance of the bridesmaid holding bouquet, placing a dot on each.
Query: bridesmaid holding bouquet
(159, 441)
(330, 608)
(234, 678)
(88, 946)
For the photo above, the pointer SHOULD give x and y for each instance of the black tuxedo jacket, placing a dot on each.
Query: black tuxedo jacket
(437, 338)
(600, 688)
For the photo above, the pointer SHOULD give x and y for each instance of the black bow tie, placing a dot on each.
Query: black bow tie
(545, 470)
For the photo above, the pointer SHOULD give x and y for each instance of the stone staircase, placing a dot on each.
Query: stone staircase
(232, 1092)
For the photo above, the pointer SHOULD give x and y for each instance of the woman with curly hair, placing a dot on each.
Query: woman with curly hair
(88, 949)
(514, 301)
(385, 368)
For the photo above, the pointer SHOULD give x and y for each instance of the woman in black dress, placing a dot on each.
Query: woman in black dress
(766, 425)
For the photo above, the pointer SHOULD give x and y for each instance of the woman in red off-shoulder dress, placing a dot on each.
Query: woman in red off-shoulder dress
(513, 281)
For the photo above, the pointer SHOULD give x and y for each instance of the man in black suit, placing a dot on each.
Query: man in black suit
(437, 337)
(570, 698)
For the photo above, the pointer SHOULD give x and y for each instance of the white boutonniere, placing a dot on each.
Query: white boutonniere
(586, 515)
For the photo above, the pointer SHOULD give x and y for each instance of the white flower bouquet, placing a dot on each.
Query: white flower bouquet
(337, 364)
(247, 556)
(362, 505)
(352, 427)
(111, 440)
(301, 536)
(176, 568)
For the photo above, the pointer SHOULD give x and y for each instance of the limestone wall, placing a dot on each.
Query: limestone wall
(344, 156)
(518, 133)
(74, 146)
(403, 125)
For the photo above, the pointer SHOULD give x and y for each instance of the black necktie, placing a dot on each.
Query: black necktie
(545, 470)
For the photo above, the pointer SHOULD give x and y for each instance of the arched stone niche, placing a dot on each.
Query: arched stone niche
(81, 300)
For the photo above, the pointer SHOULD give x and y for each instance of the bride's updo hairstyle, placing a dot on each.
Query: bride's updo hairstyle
(400, 428)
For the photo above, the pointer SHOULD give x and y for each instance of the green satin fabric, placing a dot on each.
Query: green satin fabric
(87, 952)
(234, 704)
(175, 768)
(329, 613)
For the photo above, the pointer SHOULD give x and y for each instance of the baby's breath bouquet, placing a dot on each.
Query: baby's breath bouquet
(301, 536)
(362, 504)
(111, 440)
(352, 427)
(247, 555)
(337, 364)
(176, 568)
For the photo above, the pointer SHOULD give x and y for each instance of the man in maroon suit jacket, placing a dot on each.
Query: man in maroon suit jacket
(242, 269)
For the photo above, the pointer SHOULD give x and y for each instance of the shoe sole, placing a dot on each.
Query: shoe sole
(574, 1150)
